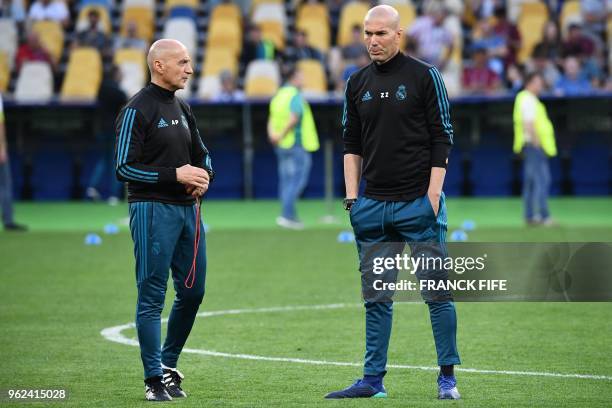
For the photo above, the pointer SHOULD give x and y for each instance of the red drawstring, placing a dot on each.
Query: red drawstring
(196, 245)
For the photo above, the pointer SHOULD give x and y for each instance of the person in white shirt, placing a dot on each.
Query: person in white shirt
(55, 10)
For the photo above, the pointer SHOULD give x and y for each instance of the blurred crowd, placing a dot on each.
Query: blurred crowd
(480, 46)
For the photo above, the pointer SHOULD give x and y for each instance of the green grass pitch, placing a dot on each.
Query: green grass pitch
(57, 295)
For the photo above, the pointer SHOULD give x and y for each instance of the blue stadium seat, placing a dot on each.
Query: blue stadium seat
(182, 11)
(491, 171)
(590, 170)
(105, 3)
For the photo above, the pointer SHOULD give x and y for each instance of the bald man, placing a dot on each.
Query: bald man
(161, 156)
(397, 136)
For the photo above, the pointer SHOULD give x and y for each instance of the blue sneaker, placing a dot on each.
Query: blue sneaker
(447, 387)
(359, 389)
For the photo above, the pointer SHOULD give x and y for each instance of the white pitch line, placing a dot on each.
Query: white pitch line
(115, 334)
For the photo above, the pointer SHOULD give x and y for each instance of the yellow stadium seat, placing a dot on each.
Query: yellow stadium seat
(570, 8)
(531, 24)
(318, 34)
(260, 87)
(226, 33)
(170, 4)
(273, 31)
(227, 11)
(134, 55)
(314, 76)
(83, 76)
(82, 22)
(5, 73)
(51, 36)
(218, 59)
(143, 17)
(407, 14)
(351, 14)
(316, 11)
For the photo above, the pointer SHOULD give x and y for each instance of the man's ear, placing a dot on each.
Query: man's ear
(159, 66)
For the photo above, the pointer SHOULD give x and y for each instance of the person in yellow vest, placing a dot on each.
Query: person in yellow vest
(534, 137)
(292, 130)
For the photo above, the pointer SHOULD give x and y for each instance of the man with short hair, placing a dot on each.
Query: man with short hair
(397, 135)
(292, 130)
(160, 154)
(534, 138)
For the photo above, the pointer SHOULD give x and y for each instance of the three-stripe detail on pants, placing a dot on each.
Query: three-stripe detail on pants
(140, 232)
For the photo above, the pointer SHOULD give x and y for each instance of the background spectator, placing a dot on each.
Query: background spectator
(131, 40)
(92, 36)
(541, 63)
(49, 10)
(256, 47)
(550, 46)
(228, 93)
(12, 9)
(32, 50)
(572, 82)
(479, 78)
(356, 47)
(434, 42)
(301, 50)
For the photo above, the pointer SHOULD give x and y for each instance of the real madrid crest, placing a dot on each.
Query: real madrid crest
(400, 94)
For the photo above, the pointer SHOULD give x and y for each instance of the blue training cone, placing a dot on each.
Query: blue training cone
(93, 239)
(111, 229)
(468, 225)
(459, 235)
(345, 237)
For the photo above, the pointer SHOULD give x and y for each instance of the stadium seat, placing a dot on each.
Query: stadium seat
(317, 11)
(104, 24)
(272, 21)
(209, 86)
(183, 12)
(273, 31)
(255, 4)
(131, 56)
(51, 36)
(35, 83)
(142, 17)
(315, 84)
(262, 78)
(5, 71)
(570, 12)
(108, 4)
(227, 11)
(170, 4)
(352, 13)
(226, 33)
(590, 170)
(217, 59)
(83, 75)
(532, 20)
(184, 30)
(150, 4)
(318, 34)
(8, 39)
(132, 77)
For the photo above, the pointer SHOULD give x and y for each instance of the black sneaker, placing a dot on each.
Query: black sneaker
(155, 390)
(14, 227)
(172, 381)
